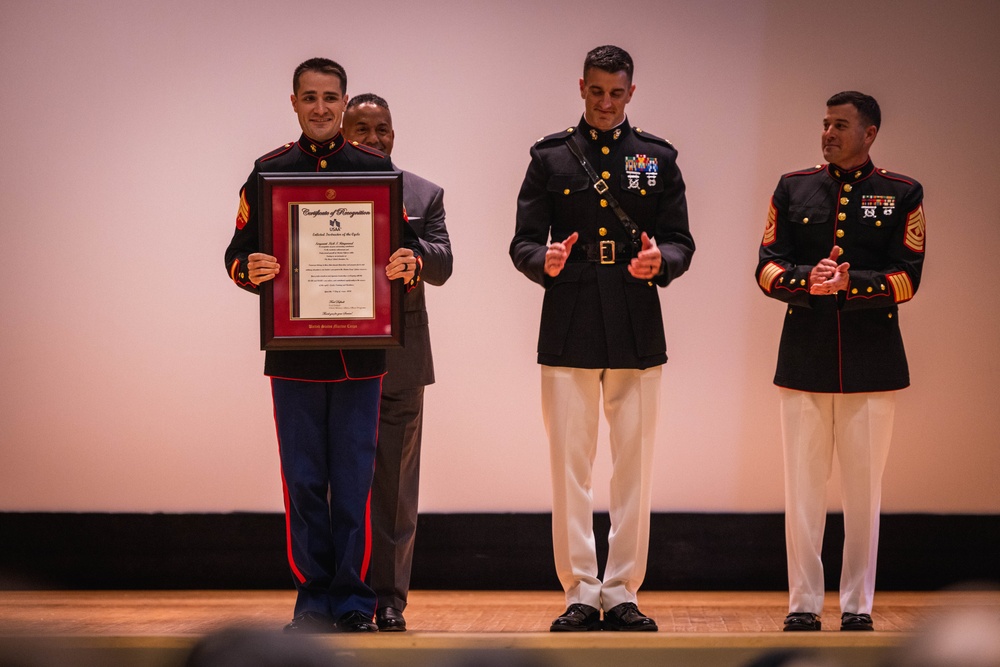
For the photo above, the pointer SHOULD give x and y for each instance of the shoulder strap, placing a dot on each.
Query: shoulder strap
(602, 189)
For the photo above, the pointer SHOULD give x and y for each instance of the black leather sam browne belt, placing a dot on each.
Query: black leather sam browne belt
(608, 251)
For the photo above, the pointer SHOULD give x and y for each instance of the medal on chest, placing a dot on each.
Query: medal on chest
(870, 204)
(636, 166)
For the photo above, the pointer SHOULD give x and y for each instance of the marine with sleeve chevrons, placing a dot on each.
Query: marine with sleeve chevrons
(594, 313)
(306, 155)
(326, 414)
(850, 342)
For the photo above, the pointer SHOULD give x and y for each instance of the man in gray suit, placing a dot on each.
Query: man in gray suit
(367, 121)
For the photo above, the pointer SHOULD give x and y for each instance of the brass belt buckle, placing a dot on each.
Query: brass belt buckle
(607, 252)
(601, 187)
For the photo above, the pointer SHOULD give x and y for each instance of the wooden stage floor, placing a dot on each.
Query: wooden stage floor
(157, 628)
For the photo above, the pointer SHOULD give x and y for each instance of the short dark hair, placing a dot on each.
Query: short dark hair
(610, 59)
(367, 98)
(866, 105)
(323, 66)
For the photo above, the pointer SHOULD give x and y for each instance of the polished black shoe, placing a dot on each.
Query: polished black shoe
(856, 622)
(577, 618)
(626, 617)
(800, 621)
(356, 621)
(390, 619)
(310, 622)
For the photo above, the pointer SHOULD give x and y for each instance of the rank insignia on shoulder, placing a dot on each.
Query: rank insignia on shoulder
(915, 229)
(646, 136)
(771, 227)
(244, 211)
(558, 135)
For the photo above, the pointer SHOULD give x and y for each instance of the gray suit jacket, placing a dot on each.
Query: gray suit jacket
(412, 365)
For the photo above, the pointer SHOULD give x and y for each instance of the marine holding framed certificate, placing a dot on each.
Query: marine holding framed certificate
(333, 235)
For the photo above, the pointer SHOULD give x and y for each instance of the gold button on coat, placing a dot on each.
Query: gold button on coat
(605, 150)
(805, 221)
(605, 174)
(844, 201)
(603, 231)
(604, 203)
(322, 164)
(840, 233)
(854, 291)
(566, 191)
(848, 188)
(841, 216)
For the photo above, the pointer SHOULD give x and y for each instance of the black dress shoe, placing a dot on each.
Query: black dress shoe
(577, 618)
(356, 621)
(856, 622)
(626, 617)
(310, 622)
(390, 619)
(800, 621)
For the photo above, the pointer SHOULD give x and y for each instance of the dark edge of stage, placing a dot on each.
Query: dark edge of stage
(688, 551)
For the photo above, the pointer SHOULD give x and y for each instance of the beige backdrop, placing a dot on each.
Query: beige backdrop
(131, 374)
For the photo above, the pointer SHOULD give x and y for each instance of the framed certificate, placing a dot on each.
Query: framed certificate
(333, 235)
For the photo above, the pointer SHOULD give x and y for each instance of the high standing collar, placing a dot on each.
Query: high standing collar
(606, 136)
(321, 148)
(852, 176)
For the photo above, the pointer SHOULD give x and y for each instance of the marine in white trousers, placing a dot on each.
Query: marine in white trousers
(858, 428)
(571, 400)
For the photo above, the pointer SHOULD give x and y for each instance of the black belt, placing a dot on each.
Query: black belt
(602, 252)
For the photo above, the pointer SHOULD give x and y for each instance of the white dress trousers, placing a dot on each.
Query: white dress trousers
(858, 427)
(571, 400)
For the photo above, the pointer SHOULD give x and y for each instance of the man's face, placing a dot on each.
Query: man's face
(371, 125)
(605, 95)
(319, 104)
(846, 137)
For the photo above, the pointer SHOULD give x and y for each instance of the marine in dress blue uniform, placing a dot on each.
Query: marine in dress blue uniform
(325, 401)
(842, 248)
(601, 327)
